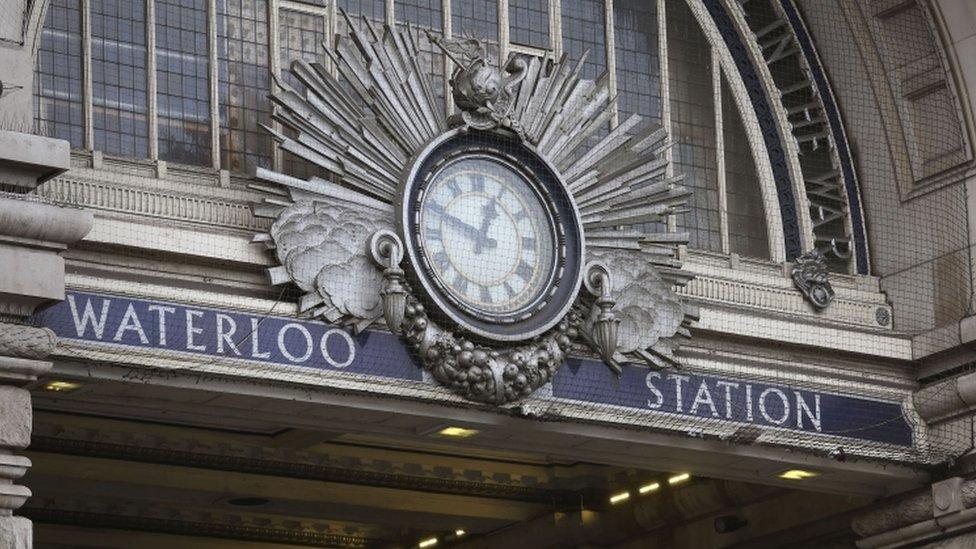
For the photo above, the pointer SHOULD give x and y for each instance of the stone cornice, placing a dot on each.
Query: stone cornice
(27, 218)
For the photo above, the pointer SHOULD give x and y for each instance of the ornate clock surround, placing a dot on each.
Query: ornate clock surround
(378, 127)
(566, 272)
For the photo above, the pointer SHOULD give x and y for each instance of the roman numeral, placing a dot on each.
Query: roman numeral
(528, 242)
(524, 270)
(485, 294)
(434, 234)
(454, 187)
(510, 290)
(442, 261)
(478, 183)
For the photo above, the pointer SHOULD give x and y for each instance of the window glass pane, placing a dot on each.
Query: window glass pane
(119, 98)
(242, 50)
(638, 63)
(300, 36)
(182, 81)
(747, 212)
(584, 29)
(426, 14)
(58, 104)
(475, 19)
(529, 22)
(693, 124)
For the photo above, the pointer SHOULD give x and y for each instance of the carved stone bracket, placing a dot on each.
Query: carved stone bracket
(810, 277)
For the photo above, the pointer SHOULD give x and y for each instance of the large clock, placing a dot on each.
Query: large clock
(492, 234)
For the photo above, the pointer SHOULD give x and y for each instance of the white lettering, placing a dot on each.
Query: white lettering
(703, 397)
(88, 316)
(162, 310)
(284, 349)
(130, 321)
(678, 380)
(801, 408)
(654, 390)
(256, 340)
(748, 402)
(350, 344)
(224, 336)
(728, 386)
(782, 397)
(192, 330)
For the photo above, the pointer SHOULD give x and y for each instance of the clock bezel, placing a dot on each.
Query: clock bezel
(565, 277)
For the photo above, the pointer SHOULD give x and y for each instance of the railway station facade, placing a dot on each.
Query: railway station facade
(487, 273)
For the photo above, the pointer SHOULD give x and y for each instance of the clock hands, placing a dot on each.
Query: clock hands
(470, 231)
(487, 216)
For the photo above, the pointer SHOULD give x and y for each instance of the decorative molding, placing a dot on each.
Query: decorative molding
(816, 126)
(189, 523)
(263, 460)
(91, 193)
(26, 341)
(778, 156)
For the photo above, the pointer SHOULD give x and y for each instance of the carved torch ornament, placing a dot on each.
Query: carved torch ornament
(586, 277)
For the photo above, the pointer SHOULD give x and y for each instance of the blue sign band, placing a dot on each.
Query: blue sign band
(292, 342)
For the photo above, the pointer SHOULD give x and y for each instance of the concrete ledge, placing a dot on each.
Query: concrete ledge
(29, 160)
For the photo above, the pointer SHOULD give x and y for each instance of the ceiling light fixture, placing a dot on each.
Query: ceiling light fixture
(617, 498)
(797, 474)
(59, 386)
(429, 542)
(454, 431)
(677, 479)
(459, 532)
(648, 488)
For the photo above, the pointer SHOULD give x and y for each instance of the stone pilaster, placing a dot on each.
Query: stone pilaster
(22, 349)
(33, 235)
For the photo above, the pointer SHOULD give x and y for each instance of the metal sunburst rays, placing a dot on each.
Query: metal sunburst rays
(363, 124)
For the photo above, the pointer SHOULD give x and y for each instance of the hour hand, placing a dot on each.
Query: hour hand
(487, 216)
(470, 231)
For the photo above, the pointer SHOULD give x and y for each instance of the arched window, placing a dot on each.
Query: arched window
(187, 81)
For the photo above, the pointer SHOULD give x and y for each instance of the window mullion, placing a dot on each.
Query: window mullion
(556, 27)
(274, 67)
(153, 114)
(390, 13)
(611, 51)
(448, 29)
(86, 60)
(662, 32)
(503, 29)
(723, 206)
(214, 83)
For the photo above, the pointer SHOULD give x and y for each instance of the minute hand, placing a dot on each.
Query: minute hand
(470, 231)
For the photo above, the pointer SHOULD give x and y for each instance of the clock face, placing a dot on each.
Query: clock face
(493, 237)
(489, 237)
